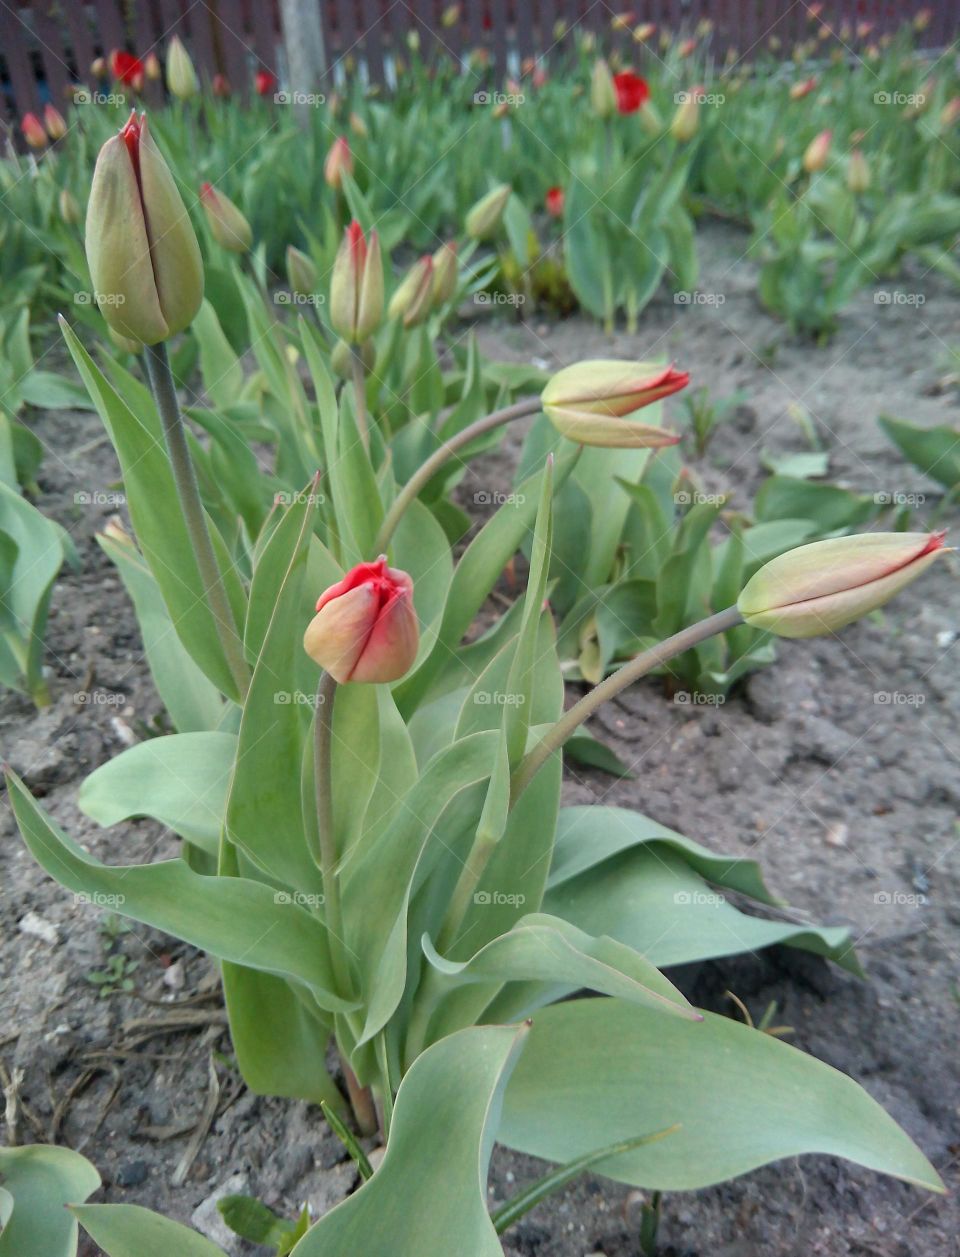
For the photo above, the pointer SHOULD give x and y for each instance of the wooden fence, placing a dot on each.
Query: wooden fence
(48, 46)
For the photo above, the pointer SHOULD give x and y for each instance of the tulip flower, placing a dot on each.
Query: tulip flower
(127, 69)
(686, 120)
(817, 152)
(645, 31)
(227, 225)
(54, 122)
(555, 202)
(821, 587)
(264, 83)
(301, 272)
(413, 299)
(358, 126)
(603, 93)
(484, 218)
(587, 402)
(356, 286)
(181, 76)
(33, 131)
(98, 68)
(804, 88)
(687, 48)
(631, 90)
(950, 112)
(220, 86)
(858, 173)
(365, 628)
(69, 209)
(338, 160)
(141, 248)
(151, 68)
(444, 273)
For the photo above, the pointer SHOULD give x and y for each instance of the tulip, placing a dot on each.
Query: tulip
(264, 83)
(645, 31)
(555, 202)
(922, 19)
(356, 286)
(817, 152)
(686, 120)
(450, 16)
(603, 93)
(301, 272)
(858, 173)
(588, 401)
(822, 587)
(181, 76)
(950, 112)
(54, 122)
(127, 69)
(98, 68)
(33, 131)
(358, 126)
(631, 91)
(413, 299)
(141, 248)
(151, 67)
(799, 90)
(227, 225)
(69, 209)
(365, 628)
(484, 218)
(338, 160)
(444, 273)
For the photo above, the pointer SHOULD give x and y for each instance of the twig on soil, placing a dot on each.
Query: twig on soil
(63, 1104)
(202, 1129)
(104, 1108)
(15, 1105)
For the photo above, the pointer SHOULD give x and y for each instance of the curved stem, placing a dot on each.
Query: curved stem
(322, 747)
(428, 469)
(185, 478)
(639, 666)
(360, 395)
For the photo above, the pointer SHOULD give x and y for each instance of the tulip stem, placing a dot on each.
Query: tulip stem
(188, 491)
(639, 666)
(323, 786)
(360, 395)
(429, 468)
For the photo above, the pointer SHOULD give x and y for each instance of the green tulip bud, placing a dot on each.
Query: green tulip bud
(356, 286)
(181, 76)
(301, 272)
(444, 273)
(413, 300)
(484, 218)
(227, 225)
(603, 92)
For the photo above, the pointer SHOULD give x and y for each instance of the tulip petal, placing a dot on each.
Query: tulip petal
(391, 648)
(177, 263)
(338, 633)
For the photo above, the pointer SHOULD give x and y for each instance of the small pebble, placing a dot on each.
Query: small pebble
(37, 927)
(132, 1174)
(836, 835)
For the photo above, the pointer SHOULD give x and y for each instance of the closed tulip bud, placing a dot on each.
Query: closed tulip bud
(151, 67)
(220, 85)
(821, 587)
(817, 152)
(358, 126)
(687, 48)
(365, 629)
(645, 31)
(69, 209)
(227, 225)
(484, 218)
(804, 88)
(587, 402)
(858, 173)
(356, 286)
(54, 122)
(686, 121)
(444, 273)
(338, 160)
(650, 118)
(603, 93)
(341, 360)
(98, 67)
(450, 16)
(181, 76)
(301, 272)
(141, 248)
(33, 131)
(950, 112)
(413, 300)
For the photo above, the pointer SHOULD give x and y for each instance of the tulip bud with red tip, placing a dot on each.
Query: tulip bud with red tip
(227, 225)
(485, 216)
(264, 82)
(821, 587)
(817, 152)
(54, 122)
(338, 160)
(555, 202)
(33, 131)
(365, 628)
(588, 402)
(151, 68)
(413, 299)
(356, 285)
(141, 248)
(220, 86)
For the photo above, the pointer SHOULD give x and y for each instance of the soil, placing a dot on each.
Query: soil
(849, 801)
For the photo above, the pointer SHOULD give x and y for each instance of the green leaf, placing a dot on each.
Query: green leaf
(221, 369)
(132, 1231)
(38, 1181)
(600, 1069)
(428, 1198)
(54, 392)
(181, 781)
(936, 451)
(251, 1219)
(586, 750)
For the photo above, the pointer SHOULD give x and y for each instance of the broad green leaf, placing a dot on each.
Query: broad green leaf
(595, 1070)
(180, 780)
(935, 451)
(39, 1181)
(54, 392)
(132, 1231)
(428, 1198)
(221, 369)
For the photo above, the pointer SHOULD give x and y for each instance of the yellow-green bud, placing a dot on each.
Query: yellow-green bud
(302, 274)
(181, 76)
(356, 286)
(587, 402)
(413, 299)
(227, 225)
(603, 93)
(484, 218)
(444, 273)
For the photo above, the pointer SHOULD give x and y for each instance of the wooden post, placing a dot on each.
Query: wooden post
(303, 43)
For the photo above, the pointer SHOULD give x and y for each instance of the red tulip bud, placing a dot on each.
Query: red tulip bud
(33, 131)
(365, 628)
(554, 202)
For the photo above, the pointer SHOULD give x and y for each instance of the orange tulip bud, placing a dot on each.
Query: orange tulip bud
(33, 131)
(339, 159)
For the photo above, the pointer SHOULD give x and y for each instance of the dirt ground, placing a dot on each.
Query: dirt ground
(850, 801)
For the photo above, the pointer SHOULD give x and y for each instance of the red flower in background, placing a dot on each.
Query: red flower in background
(127, 69)
(264, 82)
(632, 91)
(554, 202)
